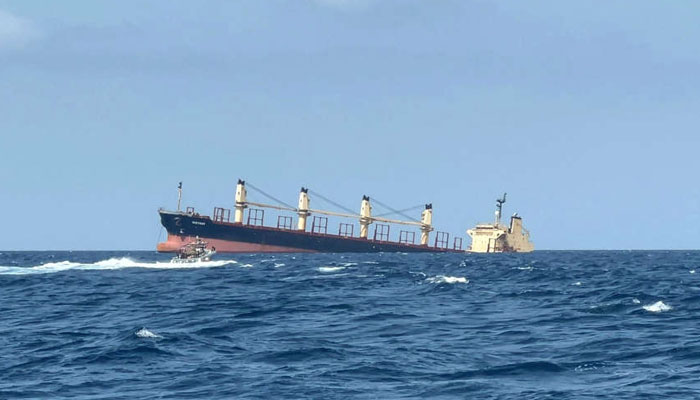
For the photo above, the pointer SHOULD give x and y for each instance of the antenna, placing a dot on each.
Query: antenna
(179, 195)
(501, 201)
(499, 208)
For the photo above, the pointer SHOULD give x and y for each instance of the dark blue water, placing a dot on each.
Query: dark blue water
(547, 325)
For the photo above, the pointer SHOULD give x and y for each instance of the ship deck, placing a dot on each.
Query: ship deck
(232, 237)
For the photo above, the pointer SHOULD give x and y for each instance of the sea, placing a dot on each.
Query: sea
(544, 325)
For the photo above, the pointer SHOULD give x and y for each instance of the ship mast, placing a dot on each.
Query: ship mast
(241, 204)
(499, 208)
(426, 224)
(365, 216)
(179, 195)
(303, 209)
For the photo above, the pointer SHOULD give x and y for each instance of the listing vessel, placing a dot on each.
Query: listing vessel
(498, 238)
(246, 231)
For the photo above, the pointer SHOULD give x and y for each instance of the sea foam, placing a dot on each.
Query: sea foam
(330, 269)
(659, 306)
(145, 333)
(447, 279)
(108, 264)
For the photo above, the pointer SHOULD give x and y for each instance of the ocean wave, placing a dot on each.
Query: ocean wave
(590, 366)
(330, 269)
(108, 264)
(520, 368)
(657, 307)
(145, 333)
(447, 279)
(363, 331)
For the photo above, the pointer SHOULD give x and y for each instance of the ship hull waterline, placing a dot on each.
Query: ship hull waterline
(228, 237)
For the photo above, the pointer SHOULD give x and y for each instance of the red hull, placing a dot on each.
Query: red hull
(174, 243)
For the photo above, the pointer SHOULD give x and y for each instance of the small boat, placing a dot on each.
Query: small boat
(194, 252)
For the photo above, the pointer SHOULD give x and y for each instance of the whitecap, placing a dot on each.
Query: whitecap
(636, 301)
(659, 306)
(39, 269)
(447, 279)
(692, 271)
(330, 269)
(55, 266)
(277, 265)
(586, 367)
(577, 283)
(145, 333)
(108, 264)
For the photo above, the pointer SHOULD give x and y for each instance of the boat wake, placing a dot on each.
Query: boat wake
(109, 264)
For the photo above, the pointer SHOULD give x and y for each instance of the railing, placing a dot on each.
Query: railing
(221, 214)
(319, 225)
(255, 216)
(346, 230)
(381, 232)
(284, 222)
(407, 237)
(442, 240)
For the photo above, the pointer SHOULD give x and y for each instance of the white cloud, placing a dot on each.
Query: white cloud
(16, 31)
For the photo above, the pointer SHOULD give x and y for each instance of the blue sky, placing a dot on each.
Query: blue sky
(585, 113)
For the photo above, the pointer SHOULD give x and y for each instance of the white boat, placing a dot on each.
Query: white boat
(194, 252)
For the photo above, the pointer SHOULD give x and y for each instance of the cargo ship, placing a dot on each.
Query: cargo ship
(247, 232)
